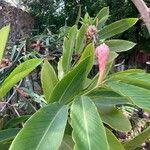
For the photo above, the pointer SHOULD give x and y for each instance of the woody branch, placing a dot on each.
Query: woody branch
(144, 11)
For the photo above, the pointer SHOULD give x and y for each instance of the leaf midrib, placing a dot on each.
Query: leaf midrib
(86, 124)
(69, 85)
(37, 148)
(105, 33)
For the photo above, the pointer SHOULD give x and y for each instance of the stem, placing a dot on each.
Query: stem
(144, 11)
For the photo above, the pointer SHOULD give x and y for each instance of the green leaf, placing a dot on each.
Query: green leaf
(48, 79)
(114, 143)
(105, 96)
(137, 78)
(6, 137)
(18, 74)
(138, 140)
(138, 95)
(115, 119)
(60, 69)
(67, 143)
(116, 28)
(68, 48)
(88, 51)
(129, 71)
(112, 56)
(101, 17)
(80, 39)
(102, 13)
(4, 33)
(71, 84)
(88, 130)
(120, 45)
(44, 130)
(15, 121)
(8, 134)
(102, 22)
(106, 101)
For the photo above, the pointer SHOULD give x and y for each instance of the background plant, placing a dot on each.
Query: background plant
(76, 109)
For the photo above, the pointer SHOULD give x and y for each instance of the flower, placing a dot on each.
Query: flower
(91, 32)
(102, 53)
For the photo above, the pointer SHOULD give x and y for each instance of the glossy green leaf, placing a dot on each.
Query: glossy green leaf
(137, 78)
(18, 74)
(107, 97)
(101, 17)
(15, 121)
(102, 22)
(120, 45)
(71, 84)
(138, 140)
(106, 102)
(68, 48)
(129, 71)
(88, 130)
(8, 134)
(114, 143)
(80, 41)
(44, 130)
(4, 33)
(115, 119)
(116, 28)
(48, 79)
(88, 51)
(6, 137)
(102, 13)
(138, 95)
(67, 143)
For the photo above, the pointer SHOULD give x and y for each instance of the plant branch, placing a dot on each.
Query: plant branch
(144, 11)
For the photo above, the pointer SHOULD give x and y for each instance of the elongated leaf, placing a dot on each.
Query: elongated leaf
(44, 130)
(18, 74)
(60, 69)
(138, 140)
(102, 13)
(71, 84)
(141, 79)
(116, 28)
(67, 143)
(101, 17)
(48, 79)
(68, 48)
(89, 51)
(15, 121)
(88, 130)
(102, 22)
(114, 143)
(105, 96)
(106, 102)
(120, 45)
(6, 137)
(138, 95)
(115, 119)
(80, 39)
(8, 134)
(129, 71)
(4, 33)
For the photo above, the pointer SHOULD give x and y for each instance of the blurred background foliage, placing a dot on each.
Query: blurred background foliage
(54, 15)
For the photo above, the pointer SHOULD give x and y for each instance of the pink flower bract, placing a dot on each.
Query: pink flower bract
(91, 31)
(102, 53)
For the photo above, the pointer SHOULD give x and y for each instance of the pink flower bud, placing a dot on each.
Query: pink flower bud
(91, 31)
(102, 53)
